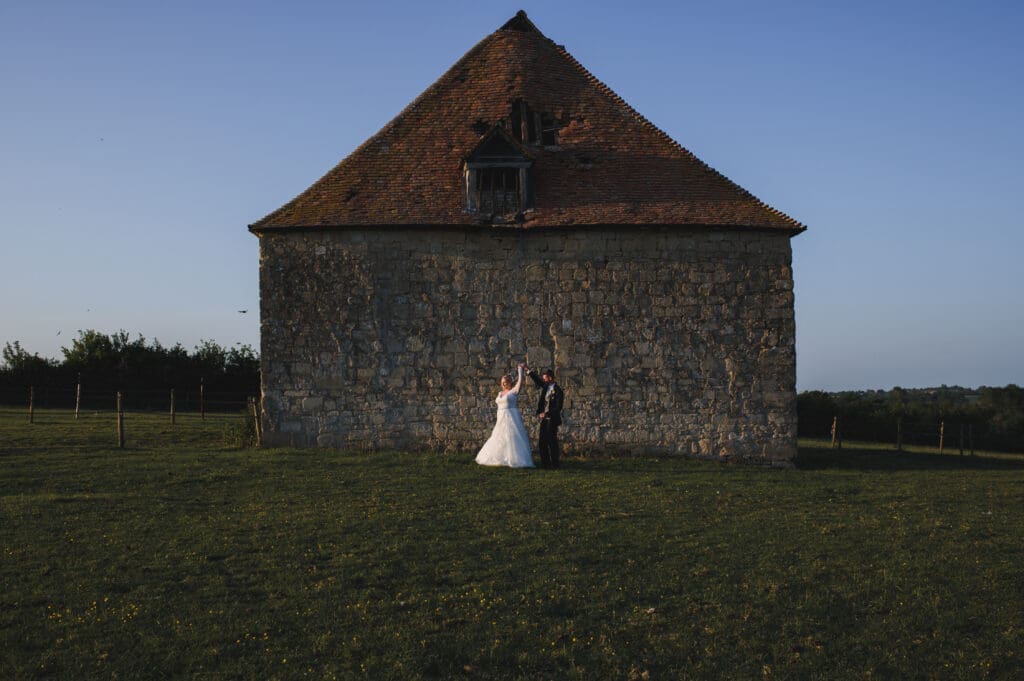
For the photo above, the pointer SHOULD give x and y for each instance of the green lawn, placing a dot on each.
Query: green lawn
(179, 557)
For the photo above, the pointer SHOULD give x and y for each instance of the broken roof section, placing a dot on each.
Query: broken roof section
(594, 159)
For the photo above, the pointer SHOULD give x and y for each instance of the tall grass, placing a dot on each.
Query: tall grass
(202, 561)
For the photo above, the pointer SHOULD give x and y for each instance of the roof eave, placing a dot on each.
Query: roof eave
(259, 230)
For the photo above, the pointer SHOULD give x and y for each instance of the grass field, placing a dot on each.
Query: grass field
(179, 557)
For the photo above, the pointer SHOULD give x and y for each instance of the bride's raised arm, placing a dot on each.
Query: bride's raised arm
(519, 382)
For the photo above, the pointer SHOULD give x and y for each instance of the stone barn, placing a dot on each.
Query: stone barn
(520, 209)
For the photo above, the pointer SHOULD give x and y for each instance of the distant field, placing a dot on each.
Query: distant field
(182, 557)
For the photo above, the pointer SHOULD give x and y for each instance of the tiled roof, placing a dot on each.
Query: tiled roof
(610, 166)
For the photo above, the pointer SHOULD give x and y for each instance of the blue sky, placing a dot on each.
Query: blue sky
(139, 139)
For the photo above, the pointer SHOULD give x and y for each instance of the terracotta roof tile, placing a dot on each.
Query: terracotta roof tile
(610, 165)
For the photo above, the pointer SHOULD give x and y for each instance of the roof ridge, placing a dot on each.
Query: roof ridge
(516, 23)
(643, 120)
(411, 106)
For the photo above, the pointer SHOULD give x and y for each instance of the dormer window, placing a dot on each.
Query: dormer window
(498, 189)
(497, 177)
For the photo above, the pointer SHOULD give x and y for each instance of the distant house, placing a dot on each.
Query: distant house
(519, 208)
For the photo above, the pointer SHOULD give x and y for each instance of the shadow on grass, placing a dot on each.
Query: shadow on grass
(867, 458)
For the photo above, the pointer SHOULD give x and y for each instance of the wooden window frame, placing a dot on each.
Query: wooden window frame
(474, 175)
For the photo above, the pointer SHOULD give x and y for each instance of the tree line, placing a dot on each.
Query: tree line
(994, 417)
(119, 362)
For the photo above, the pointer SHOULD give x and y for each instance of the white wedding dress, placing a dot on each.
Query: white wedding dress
(508, 444)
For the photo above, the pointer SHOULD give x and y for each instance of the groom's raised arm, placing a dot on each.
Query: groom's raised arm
(535, 378)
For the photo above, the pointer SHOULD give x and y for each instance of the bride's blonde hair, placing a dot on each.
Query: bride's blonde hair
(508, 377)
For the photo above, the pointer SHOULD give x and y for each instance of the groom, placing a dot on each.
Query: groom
(549, 410)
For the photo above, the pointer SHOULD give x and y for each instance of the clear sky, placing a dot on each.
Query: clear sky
(139, 139)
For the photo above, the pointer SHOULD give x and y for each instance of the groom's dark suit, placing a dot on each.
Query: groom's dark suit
(549, 406)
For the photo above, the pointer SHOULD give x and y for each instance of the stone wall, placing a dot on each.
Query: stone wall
(666, 340)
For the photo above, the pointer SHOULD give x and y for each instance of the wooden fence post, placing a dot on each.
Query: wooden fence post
(970, 437)
(172, 406)
(835, 430)
(899, 434)
(255, 411)
(258, 403)
(961, 439)
(120, 421)
(942, 435)
(78, 396)
(202, 398)
(31, 404)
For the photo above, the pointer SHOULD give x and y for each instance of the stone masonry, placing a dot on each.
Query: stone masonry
(667, 340)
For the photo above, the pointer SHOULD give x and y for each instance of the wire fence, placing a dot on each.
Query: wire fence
(198, 417)
(105, 418)
(948, 436)
(194, 399)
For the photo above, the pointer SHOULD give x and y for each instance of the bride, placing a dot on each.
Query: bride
(508, 444)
